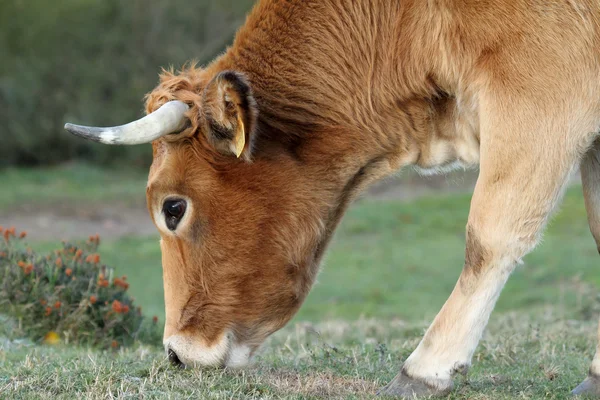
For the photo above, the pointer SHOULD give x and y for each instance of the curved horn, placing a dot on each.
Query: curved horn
(169, 118)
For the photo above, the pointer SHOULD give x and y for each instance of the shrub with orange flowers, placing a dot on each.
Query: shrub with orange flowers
(70, 293)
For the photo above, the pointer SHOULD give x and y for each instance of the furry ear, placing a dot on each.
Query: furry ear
(230, 113)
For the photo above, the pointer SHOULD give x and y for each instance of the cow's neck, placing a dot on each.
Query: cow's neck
(309, 77)
(343, 108)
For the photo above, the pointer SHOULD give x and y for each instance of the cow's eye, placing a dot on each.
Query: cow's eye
(174, 210)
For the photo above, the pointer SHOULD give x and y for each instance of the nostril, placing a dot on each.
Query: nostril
(174, 359)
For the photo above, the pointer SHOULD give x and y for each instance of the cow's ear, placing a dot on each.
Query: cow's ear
(230, 113)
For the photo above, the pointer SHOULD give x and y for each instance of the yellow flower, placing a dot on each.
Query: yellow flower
(51, 338)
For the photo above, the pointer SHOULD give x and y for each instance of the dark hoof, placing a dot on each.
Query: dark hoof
(405, 387)
(590, 386)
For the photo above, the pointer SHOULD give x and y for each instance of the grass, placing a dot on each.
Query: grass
(74, 182)
(520, 357)
(389, 270)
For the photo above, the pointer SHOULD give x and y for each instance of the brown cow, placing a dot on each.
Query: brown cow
(257, 156)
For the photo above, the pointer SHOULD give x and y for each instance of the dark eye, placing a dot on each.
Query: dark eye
(174, 210)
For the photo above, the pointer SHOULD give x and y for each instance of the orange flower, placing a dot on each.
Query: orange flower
(57, 304)
(117, 306)
(6, 235)
(58, 262)
(68, 271)
(125, 309)
(124, 277)
(12, 231)
(93, 258)
(43, 302)
(3, 254)
(22, 235)
(114, 344)
(95, 239)
(21, 264)
(78, 253)
(48, 311)
(120, 283)
(93, 299)
(102, 283)
(1, 229)
(28, 269)
(155, 319)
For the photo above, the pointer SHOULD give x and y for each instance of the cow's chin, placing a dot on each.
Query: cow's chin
(193, 353)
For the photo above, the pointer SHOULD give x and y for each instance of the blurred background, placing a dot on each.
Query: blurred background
(92, 61)
(397, 254)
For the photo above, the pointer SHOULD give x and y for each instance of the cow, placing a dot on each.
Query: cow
(257, 155)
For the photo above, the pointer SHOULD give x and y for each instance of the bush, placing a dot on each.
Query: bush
(68, 295)
(91, 62)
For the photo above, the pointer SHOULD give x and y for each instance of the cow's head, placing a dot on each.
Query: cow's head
(244, 214)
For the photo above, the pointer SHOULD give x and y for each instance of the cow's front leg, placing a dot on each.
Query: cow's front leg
(522, 174)
(503, 226)
(450, 341)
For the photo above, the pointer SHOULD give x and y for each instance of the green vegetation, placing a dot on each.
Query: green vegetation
(92, 62)
(520, 357)
(67, 295)
(70, 183)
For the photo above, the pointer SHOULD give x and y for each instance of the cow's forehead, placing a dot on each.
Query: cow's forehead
(178, 169)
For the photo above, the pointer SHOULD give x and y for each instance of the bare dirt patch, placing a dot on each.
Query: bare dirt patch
(78, 221)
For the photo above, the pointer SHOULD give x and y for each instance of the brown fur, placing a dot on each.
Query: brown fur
(475, 253)
(342, 93)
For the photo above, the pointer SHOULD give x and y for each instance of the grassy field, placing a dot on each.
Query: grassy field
(389, 269)
(75, 183)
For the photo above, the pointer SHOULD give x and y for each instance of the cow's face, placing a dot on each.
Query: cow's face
(244, 208)
(240, 235)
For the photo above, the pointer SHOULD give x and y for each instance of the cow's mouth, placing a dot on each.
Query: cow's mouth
(184, 352)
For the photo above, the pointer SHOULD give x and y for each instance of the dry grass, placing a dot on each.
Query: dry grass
(521, 356)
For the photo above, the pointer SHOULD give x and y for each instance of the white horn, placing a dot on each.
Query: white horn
(169, 118)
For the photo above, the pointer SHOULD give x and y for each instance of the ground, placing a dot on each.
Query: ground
(391, 265)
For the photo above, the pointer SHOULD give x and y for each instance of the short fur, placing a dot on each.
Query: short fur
(337, 93)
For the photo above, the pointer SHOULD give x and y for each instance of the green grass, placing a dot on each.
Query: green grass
(389, 270)
(70, 182)
(520, 357)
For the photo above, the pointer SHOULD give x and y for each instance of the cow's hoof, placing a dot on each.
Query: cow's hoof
(590, 386)
(405, 387)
